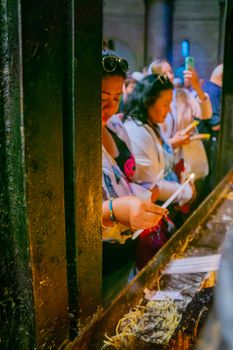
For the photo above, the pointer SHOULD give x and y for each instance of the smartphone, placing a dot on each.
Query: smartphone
(189, 61)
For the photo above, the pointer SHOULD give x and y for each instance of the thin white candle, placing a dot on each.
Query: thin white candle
(137, 233)
(168, 202)
(171, 199)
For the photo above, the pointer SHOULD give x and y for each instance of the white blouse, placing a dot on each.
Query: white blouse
(184, 107)
(150, 161)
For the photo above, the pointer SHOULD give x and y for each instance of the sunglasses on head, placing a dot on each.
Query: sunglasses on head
(163, 79)
(110, 64)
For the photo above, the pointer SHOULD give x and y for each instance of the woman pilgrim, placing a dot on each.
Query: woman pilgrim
(145, 111)
(126, 205)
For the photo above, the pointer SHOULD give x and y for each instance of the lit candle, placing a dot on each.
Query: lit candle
(171, 199)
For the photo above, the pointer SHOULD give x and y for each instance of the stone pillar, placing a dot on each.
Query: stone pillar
(222, 5)
(225, 155)
(158, 29)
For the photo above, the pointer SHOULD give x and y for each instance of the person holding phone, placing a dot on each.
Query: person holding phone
(191, 78)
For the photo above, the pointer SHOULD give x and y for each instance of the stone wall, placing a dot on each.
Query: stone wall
(124, 23)
(194, 20)
(198, 22)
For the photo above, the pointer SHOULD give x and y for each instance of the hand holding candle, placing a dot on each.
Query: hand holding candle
(169, 201)
(200, 137)
(190, 127)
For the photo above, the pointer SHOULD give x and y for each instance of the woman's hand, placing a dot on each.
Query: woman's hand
(179, 139)
(193, 78)
(154, 193)
(133, 212)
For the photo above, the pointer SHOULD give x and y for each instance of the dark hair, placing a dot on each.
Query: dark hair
(118, 71)
(145, 93)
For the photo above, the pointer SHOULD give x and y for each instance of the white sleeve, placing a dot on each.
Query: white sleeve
(144, 150)
(147, 163)
(201, 109)
(167, 188)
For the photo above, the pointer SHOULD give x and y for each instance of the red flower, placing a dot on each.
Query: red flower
(129, 167)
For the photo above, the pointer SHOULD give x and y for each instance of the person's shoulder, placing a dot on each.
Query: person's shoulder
(136, 129)
(130, 122)
(115, 123)
(115, 120)
(209, 86)
(214, 91)
(206, 85)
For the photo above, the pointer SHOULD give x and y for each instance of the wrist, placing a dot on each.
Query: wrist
(200, 93)
(173, 142)
(106, 222)
(111, 212)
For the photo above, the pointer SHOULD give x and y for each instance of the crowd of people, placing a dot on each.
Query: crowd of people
(150, 146)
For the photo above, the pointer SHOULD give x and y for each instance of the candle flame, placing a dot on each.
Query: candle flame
(192, 176)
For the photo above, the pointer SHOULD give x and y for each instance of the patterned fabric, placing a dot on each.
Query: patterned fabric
(125, 159)
(169, 163)
(115, 184)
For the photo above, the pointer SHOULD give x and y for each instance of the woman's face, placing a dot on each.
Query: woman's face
(158, 111)
(111, 93)
(167, 70)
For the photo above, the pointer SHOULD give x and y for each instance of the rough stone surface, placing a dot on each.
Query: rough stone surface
(194, 20)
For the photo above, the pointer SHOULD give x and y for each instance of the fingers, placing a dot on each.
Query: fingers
(153, 208)
(154, 194)
(186, 139)
(191, 74)
(188, 74)
(190, 69)
(189, 128)
(182, 138)
(149, 220)
(152, 219)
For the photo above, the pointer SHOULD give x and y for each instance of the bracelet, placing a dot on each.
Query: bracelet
(111, 214)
